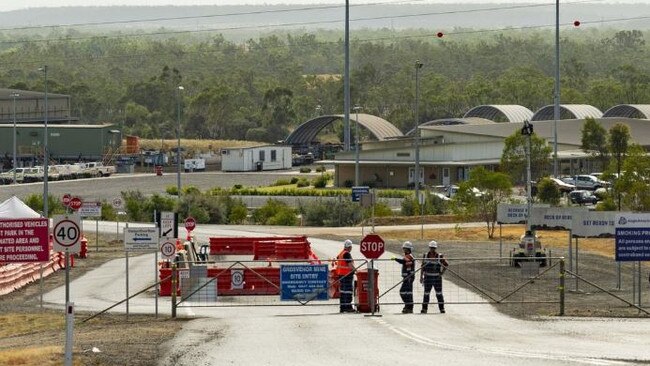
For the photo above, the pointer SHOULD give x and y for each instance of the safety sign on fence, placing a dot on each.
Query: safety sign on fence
(303, 282)
(632, 237)
(24, 240)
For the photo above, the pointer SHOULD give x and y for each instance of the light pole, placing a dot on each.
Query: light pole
(356, 146)
(178, 136)
(556, 99)
(14, 95)
(46, 154)
(416, 178)
(527, 131)
(346, 80)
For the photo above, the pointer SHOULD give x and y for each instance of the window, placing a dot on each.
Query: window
(273, 155)
(262, 155)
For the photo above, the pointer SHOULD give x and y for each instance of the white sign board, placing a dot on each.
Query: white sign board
(167, 248)
(140, 239)
(90, 209)
(167, 224)
(554, 218)
(236, 279)
(593, 224)
(67, 233)
(509, 213)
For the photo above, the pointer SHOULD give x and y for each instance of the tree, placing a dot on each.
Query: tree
(513, 158)
(633, 183)
(547, 192)
(481, 194)
(594, 140)
(619, 138)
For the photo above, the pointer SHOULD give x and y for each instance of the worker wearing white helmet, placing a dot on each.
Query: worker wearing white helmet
(345, 271)
(434, 266)
(408, 276)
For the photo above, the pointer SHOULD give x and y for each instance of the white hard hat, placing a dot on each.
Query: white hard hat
(433, 244)
(347, 243)
(407, 245)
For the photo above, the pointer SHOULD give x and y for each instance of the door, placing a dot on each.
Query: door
(445, 177)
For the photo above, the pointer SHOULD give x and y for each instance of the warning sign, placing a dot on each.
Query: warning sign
(24, 240)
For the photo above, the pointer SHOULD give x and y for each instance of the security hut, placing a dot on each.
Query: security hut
(257, 158)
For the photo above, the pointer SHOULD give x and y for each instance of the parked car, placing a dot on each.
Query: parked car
(8, 176)
(582, 197)
(588, 182)
(33, 174)
(561, 186)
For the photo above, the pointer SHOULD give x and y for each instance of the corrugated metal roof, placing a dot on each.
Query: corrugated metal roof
(567, 111)
(629, 111)
(501, 112)
(5, 94)
(454, 121)
(306, 132)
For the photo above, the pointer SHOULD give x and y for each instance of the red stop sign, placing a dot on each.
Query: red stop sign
(75, 203)
(372, 246)
(190, 223)
(66, 200)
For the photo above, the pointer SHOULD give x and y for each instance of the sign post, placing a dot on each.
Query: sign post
(372, 246)
(117, 205)
(67, 235)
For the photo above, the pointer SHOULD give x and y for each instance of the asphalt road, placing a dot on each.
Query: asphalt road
(466, 335)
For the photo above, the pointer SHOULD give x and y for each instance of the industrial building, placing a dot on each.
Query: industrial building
(258, 158)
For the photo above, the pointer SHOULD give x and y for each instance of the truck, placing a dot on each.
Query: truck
(96, 169)
(194, 165)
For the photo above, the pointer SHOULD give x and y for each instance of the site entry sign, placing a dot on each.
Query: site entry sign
(303, 282)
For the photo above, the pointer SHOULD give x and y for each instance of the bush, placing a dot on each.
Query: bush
(237, 186)
(321, 169)
(281, 182)
(108, 212)
(54, 205)
(321, 181)
(238, 214)
(381, 210)
(190, 190)
(305, 170)
(274, 212)
(172, 190)
(547, 192)
(331, 213)
(294, 180)
(302, 182)
(134, 206)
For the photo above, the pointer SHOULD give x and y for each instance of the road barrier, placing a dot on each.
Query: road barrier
(245, 245)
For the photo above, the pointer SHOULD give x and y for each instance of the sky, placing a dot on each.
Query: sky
(8, 5)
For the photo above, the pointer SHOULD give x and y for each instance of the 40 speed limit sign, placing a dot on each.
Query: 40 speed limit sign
(67, 233)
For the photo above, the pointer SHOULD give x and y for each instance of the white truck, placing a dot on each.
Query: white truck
(96, 169)
(194, 165)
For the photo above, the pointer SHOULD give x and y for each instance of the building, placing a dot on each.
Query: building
(450, 148)
(258, 158)
(30, 107)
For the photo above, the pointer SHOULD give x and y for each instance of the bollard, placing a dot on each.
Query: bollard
(174, 289)
(561, 288)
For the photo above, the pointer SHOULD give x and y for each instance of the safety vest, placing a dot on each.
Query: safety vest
(432, 266)
(408, 267)
(343, 266)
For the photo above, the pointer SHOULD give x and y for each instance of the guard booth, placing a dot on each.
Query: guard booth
(362, 293)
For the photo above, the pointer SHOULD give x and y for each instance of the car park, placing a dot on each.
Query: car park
(582, 197)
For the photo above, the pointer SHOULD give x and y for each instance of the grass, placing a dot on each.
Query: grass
(18, 324)
(276, 189)
(33, 356)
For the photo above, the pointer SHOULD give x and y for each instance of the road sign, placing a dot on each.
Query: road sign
(66, 199)
(67, 233)
(190, 224)
(24, 240)
(167, 248)
(167, 224)
(304, 282)
(75, 203)
(372, 246)
(91, 209)
(140, 239)
(358, 191)
(117, 203)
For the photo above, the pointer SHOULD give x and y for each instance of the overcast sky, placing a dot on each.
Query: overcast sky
(7, 5)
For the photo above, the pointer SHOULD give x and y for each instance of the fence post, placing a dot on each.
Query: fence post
(562, 287)
(174, 289)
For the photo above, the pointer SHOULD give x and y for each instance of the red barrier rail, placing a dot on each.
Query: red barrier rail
(244, 245)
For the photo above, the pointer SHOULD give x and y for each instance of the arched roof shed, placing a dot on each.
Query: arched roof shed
(501, 112)
(378, 127)
(567, 111)
(641, 111)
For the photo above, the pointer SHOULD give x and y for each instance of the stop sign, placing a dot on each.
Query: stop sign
(190, 223)
(372, 246)
(75, 203)
(66, 200)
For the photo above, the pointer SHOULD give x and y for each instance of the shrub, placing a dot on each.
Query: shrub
(172, 190)
(134, 206)
(54, 205)
(305, 170)
(294, 180)
(190, 190)
(238, 214)
(281, 182)
(237, 186)
(381, 210)
(331, 213)
(321, 169)
(274, 212)
(321, 181)
(547, 192)
(108, 212)
(302, 182)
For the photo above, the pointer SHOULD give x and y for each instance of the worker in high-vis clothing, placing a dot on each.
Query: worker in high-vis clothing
(408, 276)
(434, 266)
(345, 271)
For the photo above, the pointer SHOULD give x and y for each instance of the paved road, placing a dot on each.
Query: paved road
(466, 335)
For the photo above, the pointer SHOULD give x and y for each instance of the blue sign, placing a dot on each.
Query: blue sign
(303, 282)
(632, 237)
(358, 191)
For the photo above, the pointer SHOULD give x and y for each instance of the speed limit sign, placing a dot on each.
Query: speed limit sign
(67, 233)
(167, 248)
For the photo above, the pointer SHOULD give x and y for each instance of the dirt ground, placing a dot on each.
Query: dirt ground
(30, 335)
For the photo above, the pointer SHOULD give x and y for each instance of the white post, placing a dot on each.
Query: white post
(69, 332)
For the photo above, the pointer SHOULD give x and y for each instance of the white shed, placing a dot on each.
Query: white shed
(258, 158)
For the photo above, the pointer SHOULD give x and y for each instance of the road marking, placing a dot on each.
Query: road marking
(495, 351)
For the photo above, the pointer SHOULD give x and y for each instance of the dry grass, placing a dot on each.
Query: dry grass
(510, 233)
(195, 146)
(33, 356)
(20, 324)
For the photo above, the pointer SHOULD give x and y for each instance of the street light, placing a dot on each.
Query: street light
(356, 146)
(46, 154)
(14, 95)
(556, 99)
(527, 131)
(418, 66)
(346, 80)
(178, 135)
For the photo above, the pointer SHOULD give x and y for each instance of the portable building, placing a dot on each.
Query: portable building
(258, 158)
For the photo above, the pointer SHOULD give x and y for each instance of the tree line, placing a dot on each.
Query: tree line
(263, 88)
